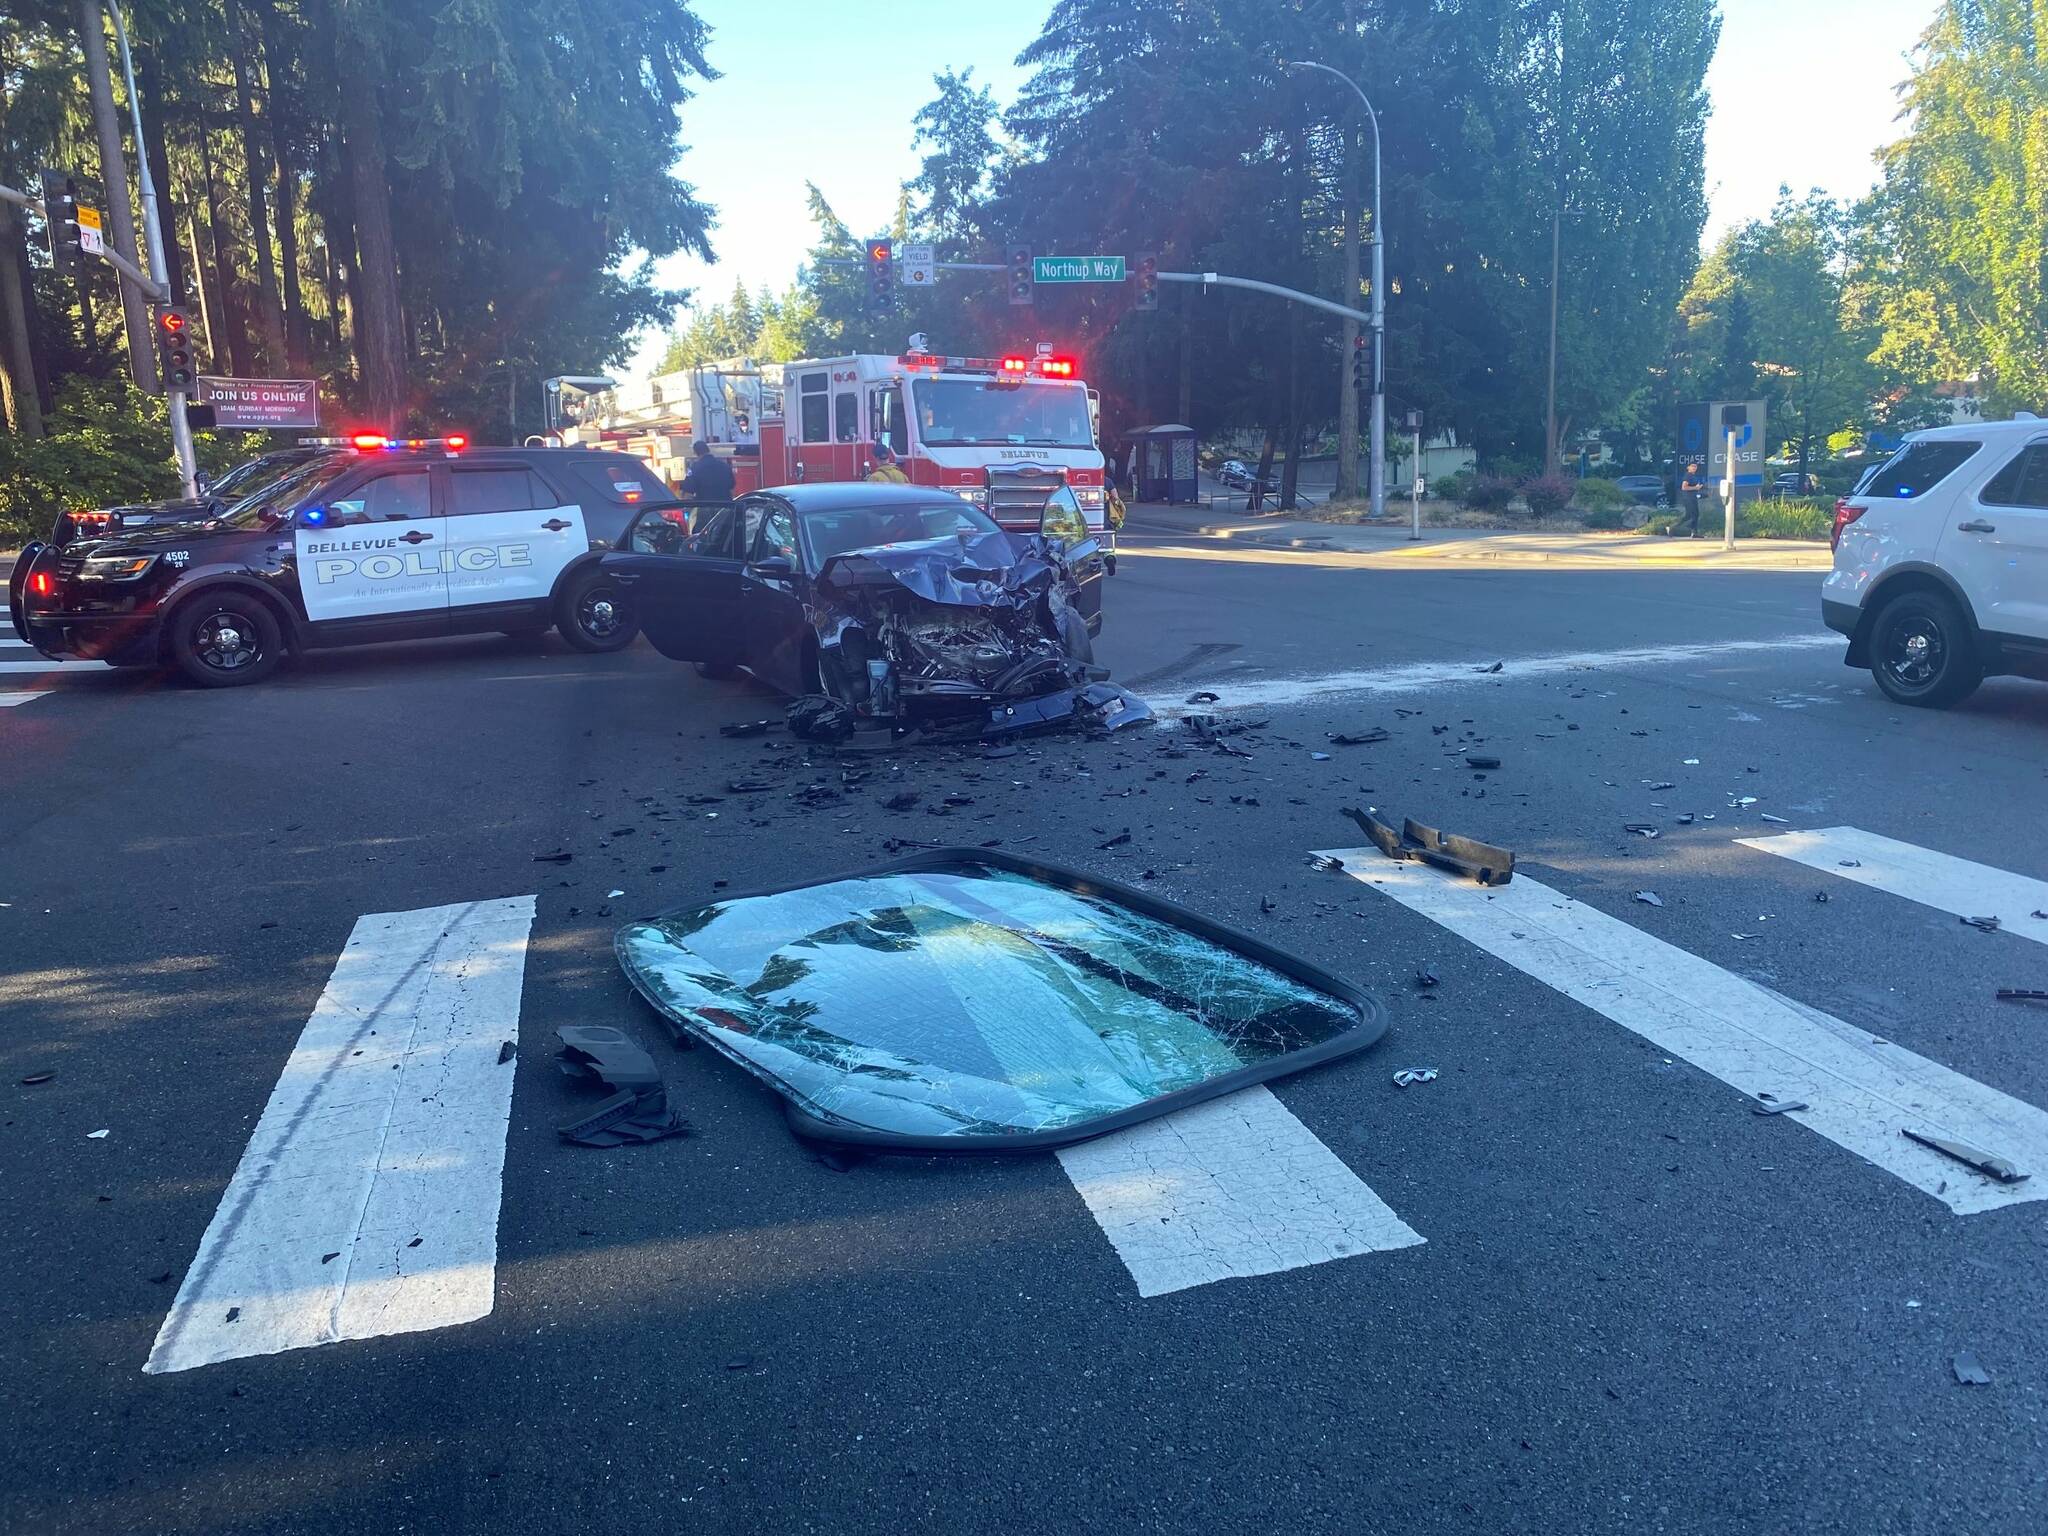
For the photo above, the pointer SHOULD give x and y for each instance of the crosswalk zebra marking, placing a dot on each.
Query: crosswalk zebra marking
(1861, 1091)
(1938, 880)
(366, 1202)
(1231, 1188)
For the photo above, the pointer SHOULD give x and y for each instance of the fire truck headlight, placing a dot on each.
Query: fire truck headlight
(1090, 497)
(975, 495)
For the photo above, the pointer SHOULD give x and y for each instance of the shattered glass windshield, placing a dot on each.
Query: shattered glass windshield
(965, 1000)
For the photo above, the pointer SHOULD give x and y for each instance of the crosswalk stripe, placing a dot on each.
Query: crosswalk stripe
(8, 700)
(1938, 880)
(366, 1202)
(1414, 677)
(1234, 1187)
(1862, 1092)
(15, 668)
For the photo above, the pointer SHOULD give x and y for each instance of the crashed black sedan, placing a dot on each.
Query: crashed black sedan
(878, 604)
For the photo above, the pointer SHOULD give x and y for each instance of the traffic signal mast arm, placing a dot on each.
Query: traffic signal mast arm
(155, 292)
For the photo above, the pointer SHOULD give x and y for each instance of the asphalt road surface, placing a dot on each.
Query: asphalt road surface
(1575, 1283)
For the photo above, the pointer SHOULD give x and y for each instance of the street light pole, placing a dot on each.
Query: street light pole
(1379, 296)
(159, 269)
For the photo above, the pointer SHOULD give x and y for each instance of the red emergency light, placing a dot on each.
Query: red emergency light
(456, 442)
(1015, 365)
(1056, 367)
(41, 585)
(368, 440)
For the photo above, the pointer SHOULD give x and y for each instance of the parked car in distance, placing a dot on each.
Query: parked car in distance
(1645, 490)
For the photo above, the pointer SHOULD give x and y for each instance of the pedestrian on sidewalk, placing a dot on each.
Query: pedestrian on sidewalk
(1691, 486)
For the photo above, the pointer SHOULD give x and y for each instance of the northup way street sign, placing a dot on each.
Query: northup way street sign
(1077, 269)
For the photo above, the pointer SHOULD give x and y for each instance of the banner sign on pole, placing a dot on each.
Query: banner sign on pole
(259, 403)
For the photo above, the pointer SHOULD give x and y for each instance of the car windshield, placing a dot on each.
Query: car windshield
(836, 532)
(1919, 467)
(250, 476)
(1020, 415)
(286, 492)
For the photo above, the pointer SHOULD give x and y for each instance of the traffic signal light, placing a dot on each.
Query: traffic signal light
(1148, 281)
(1361, 363)
(881, 271)
(174, 349)
(60, 214)
(1021, 281)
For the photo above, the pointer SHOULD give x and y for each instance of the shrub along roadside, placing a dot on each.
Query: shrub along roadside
(1782, 517)
(107, 445)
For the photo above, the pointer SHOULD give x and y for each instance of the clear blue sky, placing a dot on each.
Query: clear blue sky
(824, 90)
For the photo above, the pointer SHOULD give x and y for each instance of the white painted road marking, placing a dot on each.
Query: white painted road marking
(387, 1126)
(1277, 692)
(1233, 1187)
(1861, 1091)
(9, 699)
(1936, 880)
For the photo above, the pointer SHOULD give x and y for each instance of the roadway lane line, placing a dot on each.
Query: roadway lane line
(1226, 1189)
(367, 1200)
(1278, 692)
(1862, 1091)
(8, 700)
(1937, 880)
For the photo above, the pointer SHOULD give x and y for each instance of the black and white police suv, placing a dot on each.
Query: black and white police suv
(381, 540)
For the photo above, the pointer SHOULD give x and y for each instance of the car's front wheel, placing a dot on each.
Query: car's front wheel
(224, 642)
(1922, 651)
(594, 615)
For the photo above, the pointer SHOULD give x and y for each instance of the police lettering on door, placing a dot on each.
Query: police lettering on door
(388, 559)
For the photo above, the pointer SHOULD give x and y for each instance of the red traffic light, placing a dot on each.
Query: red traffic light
(879, 251)
(172, 321)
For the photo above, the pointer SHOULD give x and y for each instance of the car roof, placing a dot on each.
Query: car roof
(859, 495)
(1971, 430)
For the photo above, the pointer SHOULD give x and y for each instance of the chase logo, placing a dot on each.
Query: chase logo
(329, 569)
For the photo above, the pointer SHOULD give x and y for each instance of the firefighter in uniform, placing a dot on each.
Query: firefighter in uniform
(886, 468)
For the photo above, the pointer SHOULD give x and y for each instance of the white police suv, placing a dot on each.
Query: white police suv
(1941, 562)
(375, 540)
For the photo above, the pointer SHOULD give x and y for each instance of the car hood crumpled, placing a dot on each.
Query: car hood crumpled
(987, 570)
(964, 1000)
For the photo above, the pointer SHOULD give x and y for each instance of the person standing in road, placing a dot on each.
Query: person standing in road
(1691, 486)
(709, 482)
(886, 469)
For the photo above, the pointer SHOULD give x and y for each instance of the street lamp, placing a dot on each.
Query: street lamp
(1379, 296)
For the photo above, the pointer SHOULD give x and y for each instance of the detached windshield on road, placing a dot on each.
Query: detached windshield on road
(1020, 415)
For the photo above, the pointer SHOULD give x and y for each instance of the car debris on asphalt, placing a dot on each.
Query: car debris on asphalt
(1988, 1163)
(638, 1109)
(2005, 995)
(1969, 1371)
(1648, 898)
(1981, 924)
(1408, 1076)
(1452, 851)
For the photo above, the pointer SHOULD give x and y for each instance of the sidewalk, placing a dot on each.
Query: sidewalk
(1390, 543)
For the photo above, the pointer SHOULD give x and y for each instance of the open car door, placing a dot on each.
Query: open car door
(1065, 526)
(684, 586)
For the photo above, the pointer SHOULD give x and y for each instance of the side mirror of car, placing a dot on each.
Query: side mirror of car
(776, 567)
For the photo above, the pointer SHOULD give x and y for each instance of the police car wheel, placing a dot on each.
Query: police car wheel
(594, 615)
(227, 641)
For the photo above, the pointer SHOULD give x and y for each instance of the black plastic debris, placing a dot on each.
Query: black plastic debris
(1203, 697)
(1969, 1372)
(37, 1077)
(1982, 924)
(1460, 855)
(1361, 738)
(507, 1051)
(817, 717)
(1649, 898)
(1489, 670)
(1989, 1163)
(902, 800)
(747, 728)
(748, 787)
(638, 1109)
(2005, 995)
(1118, 841)
(1642, 829)
(1482, 762)
(1427, 977)
(559, 856)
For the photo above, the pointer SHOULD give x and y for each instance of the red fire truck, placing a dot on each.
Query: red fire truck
(950, 420)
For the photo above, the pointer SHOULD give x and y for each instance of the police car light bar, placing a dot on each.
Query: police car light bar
(366, 442)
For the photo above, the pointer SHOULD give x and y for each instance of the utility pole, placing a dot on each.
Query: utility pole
(1347, 397)
(159, 268)
(1550, 445)
(92, 29)
(1379, 296)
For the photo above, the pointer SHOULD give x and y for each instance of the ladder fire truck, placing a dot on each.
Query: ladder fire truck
(950, 420)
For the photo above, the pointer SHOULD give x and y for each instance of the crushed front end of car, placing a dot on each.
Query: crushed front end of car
(959, 636)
